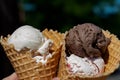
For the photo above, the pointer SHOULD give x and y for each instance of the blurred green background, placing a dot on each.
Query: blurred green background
(62, 15)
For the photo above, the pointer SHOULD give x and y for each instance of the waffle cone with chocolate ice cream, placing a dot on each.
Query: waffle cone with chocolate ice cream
(26, 67)
(111, 58)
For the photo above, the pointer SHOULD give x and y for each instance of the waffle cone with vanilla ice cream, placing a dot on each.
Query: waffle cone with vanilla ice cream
(89, 53)
(34, 55)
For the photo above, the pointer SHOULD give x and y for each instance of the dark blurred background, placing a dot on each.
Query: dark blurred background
(62, 15)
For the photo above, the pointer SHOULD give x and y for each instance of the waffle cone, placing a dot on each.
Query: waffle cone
(111, 59)
(26, 67)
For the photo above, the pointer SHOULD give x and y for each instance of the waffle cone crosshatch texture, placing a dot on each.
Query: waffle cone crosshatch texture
(111, 58)
(26, 67)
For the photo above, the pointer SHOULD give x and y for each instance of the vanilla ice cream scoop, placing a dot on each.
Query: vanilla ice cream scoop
(26, 36)
(29, 37)
(85, 66)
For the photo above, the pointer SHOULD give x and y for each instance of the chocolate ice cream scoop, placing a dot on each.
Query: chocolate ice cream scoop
(86, 40)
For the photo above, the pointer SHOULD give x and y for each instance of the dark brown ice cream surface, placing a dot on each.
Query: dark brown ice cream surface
(86, 40)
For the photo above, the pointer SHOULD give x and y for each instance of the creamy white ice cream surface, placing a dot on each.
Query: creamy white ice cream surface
(85, 66)
(26, 36)
(29, 37)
